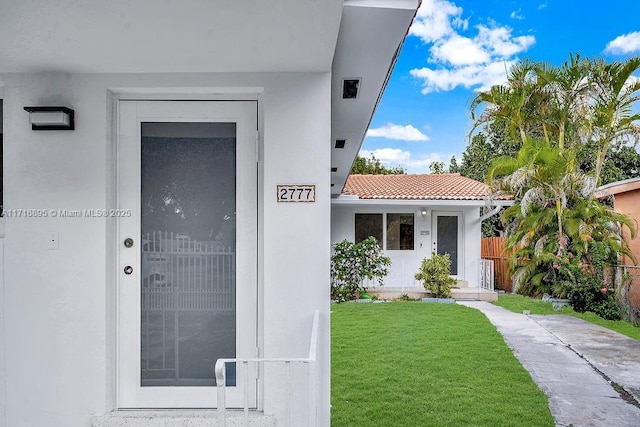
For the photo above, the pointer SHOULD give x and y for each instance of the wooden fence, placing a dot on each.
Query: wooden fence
(629, 292)
(493, 248)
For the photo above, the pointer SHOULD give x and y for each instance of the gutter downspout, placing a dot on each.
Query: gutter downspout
(491, 213)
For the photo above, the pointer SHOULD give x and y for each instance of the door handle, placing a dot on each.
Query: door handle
(128, 270)
(128, 242)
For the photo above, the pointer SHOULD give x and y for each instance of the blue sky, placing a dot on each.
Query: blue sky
(457, 47)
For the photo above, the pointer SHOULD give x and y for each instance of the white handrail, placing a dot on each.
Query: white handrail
(220, 373)
(313, 340)
(487, 275)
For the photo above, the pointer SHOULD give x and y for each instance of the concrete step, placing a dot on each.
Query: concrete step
(462, 284)
(466, 293)
(474, 294)
(179, 418)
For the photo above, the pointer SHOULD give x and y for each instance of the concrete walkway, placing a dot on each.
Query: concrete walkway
(570, 360)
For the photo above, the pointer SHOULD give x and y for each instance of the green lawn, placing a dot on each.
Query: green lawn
(417, 364)
(519, 303)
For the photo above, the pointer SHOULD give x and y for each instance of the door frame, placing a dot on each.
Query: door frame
(253, 295)
(434, 232)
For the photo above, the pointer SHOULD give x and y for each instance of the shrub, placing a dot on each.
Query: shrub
(435, 275)
(351, 263)
(406, 297)
(594, 296)
(582, 277)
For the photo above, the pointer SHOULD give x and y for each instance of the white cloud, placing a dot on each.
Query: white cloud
(626, 43)
(436, 19)
(458, 59)
(399, 132)
(500, 43)
(394, 157)
(388, 156)
(542, 6)
(632, 80)
(480, 77)
(517, 14)
(459, 50)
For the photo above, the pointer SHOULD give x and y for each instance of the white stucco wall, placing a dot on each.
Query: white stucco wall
(59, 305)
(473, 244)
(2, 366)
(404, 264)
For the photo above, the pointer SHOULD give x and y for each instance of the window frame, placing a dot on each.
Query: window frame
(382, 227)
(384, 230)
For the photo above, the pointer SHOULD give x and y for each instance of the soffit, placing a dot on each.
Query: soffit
(351, 38)
(371, 34)
(143, 36)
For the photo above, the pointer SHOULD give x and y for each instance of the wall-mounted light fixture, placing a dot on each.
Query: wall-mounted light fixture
(424, 213)
(50, 118)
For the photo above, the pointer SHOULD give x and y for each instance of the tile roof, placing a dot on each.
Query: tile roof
(447, 186)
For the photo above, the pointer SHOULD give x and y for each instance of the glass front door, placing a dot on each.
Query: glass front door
(187, 173)
(447, 238)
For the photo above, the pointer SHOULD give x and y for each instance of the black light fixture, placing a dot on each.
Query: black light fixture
(350, 88)
(51, 118)
(334, 169)
(340, 143)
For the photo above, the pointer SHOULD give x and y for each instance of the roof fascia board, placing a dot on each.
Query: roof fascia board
(619, 186)
(418, 202)
(387, 4)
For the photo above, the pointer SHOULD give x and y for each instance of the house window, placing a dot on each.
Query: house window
(399, 228)
(399, 232)
(368, 225)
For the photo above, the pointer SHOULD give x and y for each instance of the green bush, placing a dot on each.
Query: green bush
(435, 275)
(351, 263)
(585, 279)
(594, 296)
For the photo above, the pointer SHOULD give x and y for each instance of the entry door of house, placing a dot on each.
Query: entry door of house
(187, 250)
(447, 237)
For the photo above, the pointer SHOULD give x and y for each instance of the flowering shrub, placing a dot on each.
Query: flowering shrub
(435, 275)
(591, 295)
(351, 263)
(587, 285)
(581, 273)
(566, 270)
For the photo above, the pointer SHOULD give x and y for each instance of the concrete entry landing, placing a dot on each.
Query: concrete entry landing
(460, 292)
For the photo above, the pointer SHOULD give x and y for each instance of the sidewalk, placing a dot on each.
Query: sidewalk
(563, 355)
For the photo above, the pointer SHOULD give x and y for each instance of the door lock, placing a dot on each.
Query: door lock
(128, 270)
(128, 242)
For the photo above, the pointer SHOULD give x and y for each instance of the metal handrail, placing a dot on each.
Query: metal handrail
(487, 274)
(220, 373)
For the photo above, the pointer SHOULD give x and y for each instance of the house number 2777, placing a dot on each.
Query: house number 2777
(296, 193)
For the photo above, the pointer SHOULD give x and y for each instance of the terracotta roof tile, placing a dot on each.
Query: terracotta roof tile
(448, 186)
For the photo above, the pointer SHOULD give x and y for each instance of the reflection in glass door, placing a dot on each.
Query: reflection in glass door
(187, 273)
(188, 281)
(446, 238)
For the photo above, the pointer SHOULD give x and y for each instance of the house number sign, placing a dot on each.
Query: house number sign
(296, 193)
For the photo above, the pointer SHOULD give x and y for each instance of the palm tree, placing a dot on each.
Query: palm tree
(512, 103)
(540, 175)
(614, 91)
(582, 101)
(553, 213)
(565, 104)
(551, 110)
